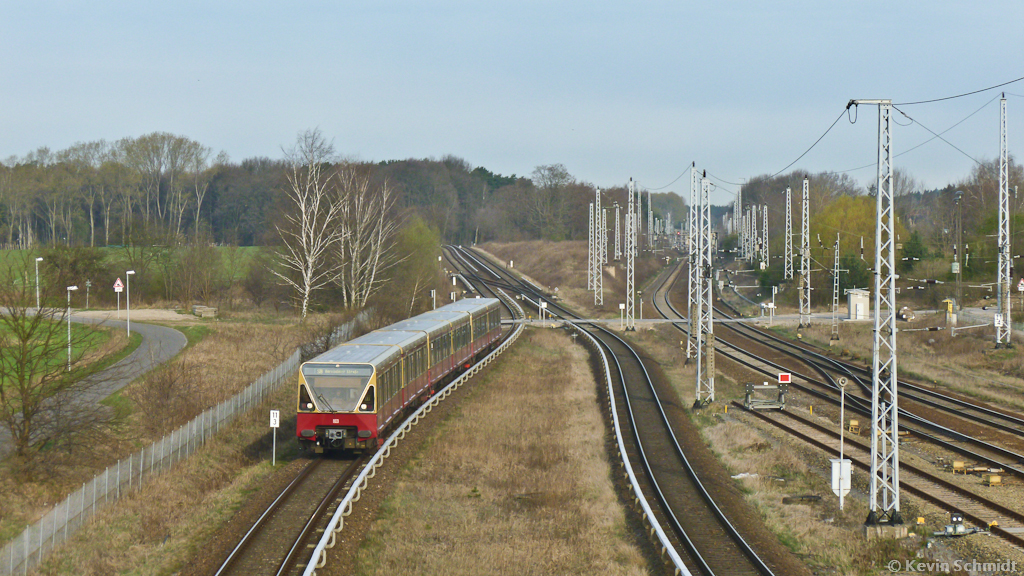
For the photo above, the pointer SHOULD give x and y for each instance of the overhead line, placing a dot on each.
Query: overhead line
(936, 135)
(958, 95)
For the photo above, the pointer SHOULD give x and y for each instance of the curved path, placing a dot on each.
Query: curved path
(159, 344)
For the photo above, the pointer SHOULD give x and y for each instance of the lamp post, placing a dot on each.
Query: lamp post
(640, 296)
(38, 260)
(70, 288)
(128, 299)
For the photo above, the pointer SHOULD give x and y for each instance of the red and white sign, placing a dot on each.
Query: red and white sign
(785, 378)
(118, 286)
(1020, 285)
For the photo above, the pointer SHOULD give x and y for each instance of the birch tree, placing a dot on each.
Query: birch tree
(312, 225)
(368, 248)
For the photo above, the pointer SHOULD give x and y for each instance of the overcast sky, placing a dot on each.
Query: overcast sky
(610, 90)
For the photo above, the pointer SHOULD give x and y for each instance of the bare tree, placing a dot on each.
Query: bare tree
(311, 227)
(369, 236)
(39, 398)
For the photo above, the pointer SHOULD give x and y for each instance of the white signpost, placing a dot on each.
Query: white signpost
(275, 423)
(840, 478)
(118, 287)
(841, 465)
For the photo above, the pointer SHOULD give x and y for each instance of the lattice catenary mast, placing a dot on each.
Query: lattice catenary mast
(591, 248)
(705, 329)
(884, 491)
(805, 258)
(618, 234)
(630, 253)
(1003, 325)
(834, 337)
(600, 240)
(788, 272)
(692, 288)
(764, 239)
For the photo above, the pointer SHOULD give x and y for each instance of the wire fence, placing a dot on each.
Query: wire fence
(39, 539)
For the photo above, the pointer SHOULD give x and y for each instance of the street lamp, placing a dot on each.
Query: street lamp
(38, 260)
(70, 288)
(128, 299)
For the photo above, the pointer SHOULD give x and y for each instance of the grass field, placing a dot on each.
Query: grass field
(517, 482)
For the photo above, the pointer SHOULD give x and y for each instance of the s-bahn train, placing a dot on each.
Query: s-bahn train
(349, 395)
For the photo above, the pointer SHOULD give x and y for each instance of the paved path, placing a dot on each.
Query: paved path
(159, 344)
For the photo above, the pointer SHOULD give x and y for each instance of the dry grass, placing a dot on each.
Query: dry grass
(773, 467)
(517, 483)
(159, 528)
(150, 407)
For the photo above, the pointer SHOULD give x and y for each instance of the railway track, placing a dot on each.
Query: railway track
(769, 354)
(276, 542)
(707, 540)
(919, 482)
(279, 541)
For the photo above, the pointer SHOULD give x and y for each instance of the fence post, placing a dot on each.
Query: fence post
(142, 465)
(118, 479)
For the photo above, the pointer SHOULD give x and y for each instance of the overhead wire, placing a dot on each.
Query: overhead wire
(936, 135)
(983, 106)
(853, 120)
(958, 95)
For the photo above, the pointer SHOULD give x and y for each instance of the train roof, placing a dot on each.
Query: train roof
(469, 305)
(399, 338)
(418, 324)
(443, 316)
(358, 354)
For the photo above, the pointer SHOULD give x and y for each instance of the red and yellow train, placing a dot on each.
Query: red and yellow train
(350, 395)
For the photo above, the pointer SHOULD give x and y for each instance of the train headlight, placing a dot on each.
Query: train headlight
(363, 407)
(309, 405)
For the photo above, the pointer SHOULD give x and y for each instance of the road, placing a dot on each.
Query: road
(159, 344)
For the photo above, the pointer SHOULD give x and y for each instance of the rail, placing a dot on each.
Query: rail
(337, 523)
(638, 495)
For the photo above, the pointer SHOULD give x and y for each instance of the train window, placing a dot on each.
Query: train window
(337, 388)
(305, 404)
(367, 405)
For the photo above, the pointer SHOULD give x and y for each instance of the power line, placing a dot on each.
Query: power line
(958, 95)
(936, 135)
(983, 106)
(815, 142)
(670, 183)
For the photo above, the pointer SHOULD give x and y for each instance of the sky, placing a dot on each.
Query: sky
(610, 90)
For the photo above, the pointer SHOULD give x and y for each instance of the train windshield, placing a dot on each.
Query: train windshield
(337, 387)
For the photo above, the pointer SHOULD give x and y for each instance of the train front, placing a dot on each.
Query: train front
(337, 409)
